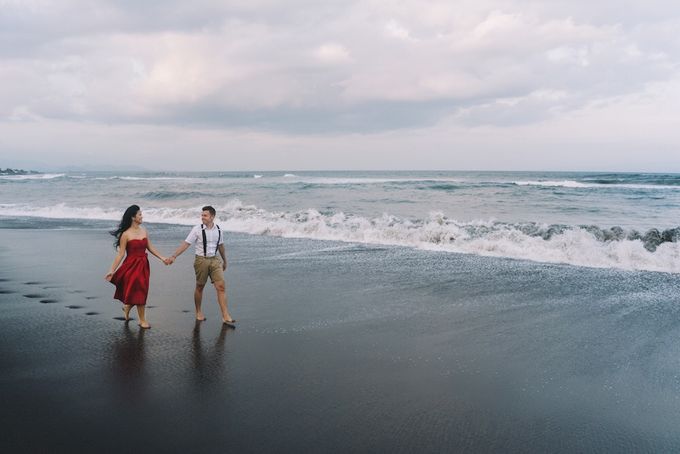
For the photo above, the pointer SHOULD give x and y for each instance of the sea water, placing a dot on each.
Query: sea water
(378, 311)
(606, 220)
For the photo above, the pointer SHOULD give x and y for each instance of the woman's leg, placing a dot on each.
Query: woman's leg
(142, 321)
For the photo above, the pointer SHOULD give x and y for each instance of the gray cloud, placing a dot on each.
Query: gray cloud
(306, 69)
(302, 66)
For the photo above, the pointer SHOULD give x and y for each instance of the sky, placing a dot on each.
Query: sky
(340, 85)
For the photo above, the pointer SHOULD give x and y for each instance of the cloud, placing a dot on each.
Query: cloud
(331, 68)
(332, 53)
(396, 30)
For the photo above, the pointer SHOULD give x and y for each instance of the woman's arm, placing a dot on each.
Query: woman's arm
(119, 257)
(153, 250)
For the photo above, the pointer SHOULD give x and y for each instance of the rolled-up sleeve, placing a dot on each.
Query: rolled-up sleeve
(192, 237)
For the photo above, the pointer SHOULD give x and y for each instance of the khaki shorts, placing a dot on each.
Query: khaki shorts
(208, 266)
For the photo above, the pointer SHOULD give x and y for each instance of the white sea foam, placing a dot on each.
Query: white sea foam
(290, 178)
(560, 184)
(39, 176)
(577, 184)
(149, 178)
(575, 246)
(59, 211)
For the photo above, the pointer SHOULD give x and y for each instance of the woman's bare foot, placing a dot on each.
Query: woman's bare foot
(200, 317)
(126, 311)
(144, 325)
(229, 321)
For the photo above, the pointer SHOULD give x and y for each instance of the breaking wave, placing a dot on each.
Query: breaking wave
(590, 246)
(38, 176)
(174, 195)
(594, 184)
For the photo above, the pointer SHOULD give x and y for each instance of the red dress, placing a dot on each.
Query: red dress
(132, 277)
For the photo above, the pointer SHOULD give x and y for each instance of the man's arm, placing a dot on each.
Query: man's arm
(224, 256)
(182, 247)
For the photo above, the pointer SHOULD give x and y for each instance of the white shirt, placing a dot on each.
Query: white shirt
(211, 235)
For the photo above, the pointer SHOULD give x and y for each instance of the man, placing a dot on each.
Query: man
(208, 240)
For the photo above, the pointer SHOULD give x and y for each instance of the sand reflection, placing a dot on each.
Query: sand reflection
(208, 361)
(129, 362)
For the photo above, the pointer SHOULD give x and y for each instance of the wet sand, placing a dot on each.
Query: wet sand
(338, 348)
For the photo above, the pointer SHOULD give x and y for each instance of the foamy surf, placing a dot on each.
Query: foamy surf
(588, 246)
(39, 176)
(578, 185)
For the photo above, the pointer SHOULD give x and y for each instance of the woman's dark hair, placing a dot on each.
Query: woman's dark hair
(125, 223)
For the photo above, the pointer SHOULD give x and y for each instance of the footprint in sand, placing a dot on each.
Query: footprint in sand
(49, 301)
(91, 297)
(76, 291)
(34, 295)
(34, 283)
(91, 313)
(186, 312)
(4, 291)
(74, 306)
(4, 279)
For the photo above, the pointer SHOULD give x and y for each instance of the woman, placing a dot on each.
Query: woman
(132, 278)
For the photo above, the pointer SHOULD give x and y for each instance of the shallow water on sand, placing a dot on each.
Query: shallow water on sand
(339, 347)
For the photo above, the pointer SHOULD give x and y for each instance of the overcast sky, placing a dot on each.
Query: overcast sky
(312, 84)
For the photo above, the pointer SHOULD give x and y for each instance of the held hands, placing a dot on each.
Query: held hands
(169, 260)
(108, 276)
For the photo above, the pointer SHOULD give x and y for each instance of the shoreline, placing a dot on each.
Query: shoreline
(337, 347)
(584, 246)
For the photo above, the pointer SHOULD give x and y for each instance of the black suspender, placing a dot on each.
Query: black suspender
(205, 239)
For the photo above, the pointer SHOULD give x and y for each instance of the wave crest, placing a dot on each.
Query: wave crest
(37, 176)
(590, 246)
(594, 184)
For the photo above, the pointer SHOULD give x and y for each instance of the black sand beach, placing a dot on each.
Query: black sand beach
(338, 348)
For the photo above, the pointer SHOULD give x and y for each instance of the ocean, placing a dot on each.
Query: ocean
(376, 312)
(606, 220)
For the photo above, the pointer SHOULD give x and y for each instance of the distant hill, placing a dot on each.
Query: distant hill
(9, 171)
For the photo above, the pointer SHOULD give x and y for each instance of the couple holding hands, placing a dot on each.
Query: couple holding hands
(131, 278)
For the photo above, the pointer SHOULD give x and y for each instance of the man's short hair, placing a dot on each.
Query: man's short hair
(209, 208)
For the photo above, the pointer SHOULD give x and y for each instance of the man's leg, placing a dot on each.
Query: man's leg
(198, 298)
(222, 301)
(201, 268)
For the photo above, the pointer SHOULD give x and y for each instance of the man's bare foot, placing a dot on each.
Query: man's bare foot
(126, 311)
(229, 321)
(144, 325)
(200, 317)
